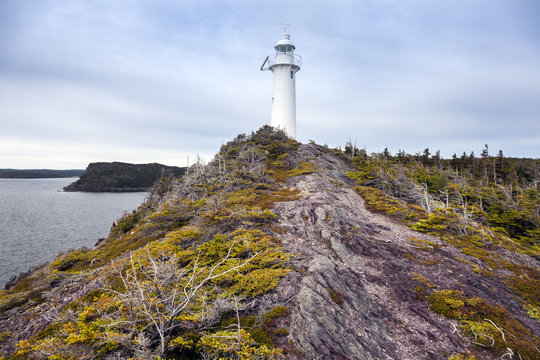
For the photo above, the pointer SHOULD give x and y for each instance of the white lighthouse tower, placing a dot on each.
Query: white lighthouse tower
(284, 64)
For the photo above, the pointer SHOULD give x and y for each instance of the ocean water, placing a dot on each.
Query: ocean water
(38, 220)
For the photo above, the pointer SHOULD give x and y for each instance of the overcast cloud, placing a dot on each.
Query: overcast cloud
(158, 81)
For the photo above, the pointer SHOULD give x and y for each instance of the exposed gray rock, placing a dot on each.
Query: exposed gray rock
(14, 279)
(354, 296)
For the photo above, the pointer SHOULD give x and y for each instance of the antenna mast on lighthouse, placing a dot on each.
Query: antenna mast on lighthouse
(284, 64)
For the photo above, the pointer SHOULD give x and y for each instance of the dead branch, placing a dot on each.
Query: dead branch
(496, 327)
(157, 293)
(484, 335)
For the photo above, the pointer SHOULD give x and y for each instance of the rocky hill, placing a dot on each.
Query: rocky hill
(282, 250)
(122, 177)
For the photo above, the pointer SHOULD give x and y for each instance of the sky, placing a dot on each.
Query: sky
(168, 81)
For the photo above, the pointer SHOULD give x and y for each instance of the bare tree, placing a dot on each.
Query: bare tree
(157, 292)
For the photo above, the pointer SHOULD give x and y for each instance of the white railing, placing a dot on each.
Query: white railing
(285, 59)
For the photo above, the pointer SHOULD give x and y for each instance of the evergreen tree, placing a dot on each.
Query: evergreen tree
(425, 156)
(485, 151)
(386, 154)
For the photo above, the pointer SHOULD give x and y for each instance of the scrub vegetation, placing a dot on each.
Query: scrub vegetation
(194, 272)
(455, 195)
(196, 253)
(483, 206)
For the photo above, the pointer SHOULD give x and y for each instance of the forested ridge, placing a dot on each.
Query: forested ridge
(282, 250)
(495, 191)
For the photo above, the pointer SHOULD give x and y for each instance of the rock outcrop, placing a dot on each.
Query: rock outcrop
(356, 296)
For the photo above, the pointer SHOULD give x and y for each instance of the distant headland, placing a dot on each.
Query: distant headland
(122, 177)
(38, 173)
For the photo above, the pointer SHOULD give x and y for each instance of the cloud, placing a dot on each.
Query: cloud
(133, 78)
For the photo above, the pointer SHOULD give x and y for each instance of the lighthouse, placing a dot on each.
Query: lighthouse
(284, 64)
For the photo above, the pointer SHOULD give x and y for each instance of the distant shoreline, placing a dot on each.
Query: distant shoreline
(39, 173)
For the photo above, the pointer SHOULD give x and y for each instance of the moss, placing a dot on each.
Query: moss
(266, 200)
(532, 311)
(429, 262)
(281, 173)
(407, 255)
(422, 244)
(477, 252)
(420, 292)
(335, 295)
(84, 260)
(258, 282)
(476, 268)
(268, 331)
(303, 168)
(230, 318)
(449, 303)
(465, 261)
(169, 217)
(280, 332)
(91, 297)
(186, 235)
(241, 197)
(239, 215)
(421, 279)
(435, 223)
(528, 287)
(73, 260)
(5, 335)
(379, 202)
(10, 301)
(49, 331)
(277, 312)
(236, 344)
(462, 356)
(262, 336)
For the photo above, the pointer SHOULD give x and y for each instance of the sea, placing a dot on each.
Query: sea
(38, 220)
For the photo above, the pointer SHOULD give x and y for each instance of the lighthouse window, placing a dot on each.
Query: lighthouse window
(285, 49)
(292, 74)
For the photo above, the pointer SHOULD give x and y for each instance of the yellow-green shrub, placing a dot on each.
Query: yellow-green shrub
(484, 322)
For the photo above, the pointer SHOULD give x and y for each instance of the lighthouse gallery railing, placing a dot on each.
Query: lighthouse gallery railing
(271, 60)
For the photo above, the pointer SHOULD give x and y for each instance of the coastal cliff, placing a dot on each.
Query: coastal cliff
(282, 250)
(122, 177)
